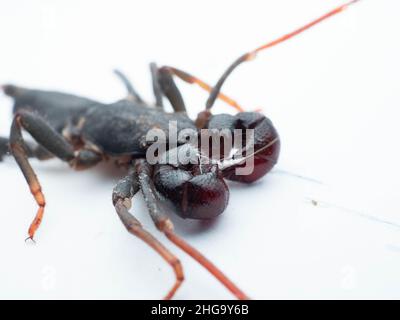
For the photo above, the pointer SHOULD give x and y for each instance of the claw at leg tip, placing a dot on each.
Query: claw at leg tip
(31, 239)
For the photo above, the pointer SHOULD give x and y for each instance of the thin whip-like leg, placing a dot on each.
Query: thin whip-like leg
(194, 80)
(252, 54)
(164, 224)
(122, 195)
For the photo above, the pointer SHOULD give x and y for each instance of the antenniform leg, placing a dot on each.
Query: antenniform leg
(122, 195)
(194, 80)
(164, 84)
(252, 54)
(52, 141)
(164, 224)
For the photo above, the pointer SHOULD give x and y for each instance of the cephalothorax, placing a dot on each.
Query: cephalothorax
(84, 132)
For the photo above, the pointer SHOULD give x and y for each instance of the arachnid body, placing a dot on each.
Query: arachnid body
(83, 132)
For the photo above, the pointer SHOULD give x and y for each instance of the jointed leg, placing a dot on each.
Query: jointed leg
(252, 54)
(4, 147)
(33, 151)
(122, 195)
(163, 83)
(54, 143)
(166, 83)
(132, 93)
(194, 80)
(164, 224)
(156, 85)
(38, 152)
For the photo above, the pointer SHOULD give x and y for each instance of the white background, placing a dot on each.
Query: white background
(333, 94)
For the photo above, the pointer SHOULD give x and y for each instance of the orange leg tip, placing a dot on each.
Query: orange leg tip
(196, 255)
(32, 231)
(172, 292)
